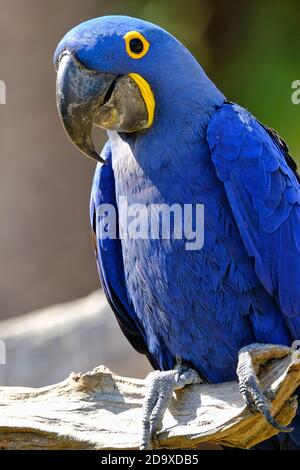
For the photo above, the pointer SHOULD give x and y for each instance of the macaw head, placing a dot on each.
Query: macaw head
(126, 75)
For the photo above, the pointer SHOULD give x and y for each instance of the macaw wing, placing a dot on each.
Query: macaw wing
(109, 258)
(263, 190)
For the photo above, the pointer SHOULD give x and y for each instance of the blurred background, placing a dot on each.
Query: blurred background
(251, 51)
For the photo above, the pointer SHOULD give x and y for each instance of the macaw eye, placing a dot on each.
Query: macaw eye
(136, 45)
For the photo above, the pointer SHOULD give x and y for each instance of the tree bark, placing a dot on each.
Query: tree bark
(99, 410)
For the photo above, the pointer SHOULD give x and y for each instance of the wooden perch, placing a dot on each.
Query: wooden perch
(99, 410)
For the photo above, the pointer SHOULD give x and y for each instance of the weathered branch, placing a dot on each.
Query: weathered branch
(99, 410)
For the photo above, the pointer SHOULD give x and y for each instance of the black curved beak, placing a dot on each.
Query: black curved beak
(79, 94)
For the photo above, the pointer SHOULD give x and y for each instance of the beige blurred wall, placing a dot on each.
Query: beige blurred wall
(45, 249)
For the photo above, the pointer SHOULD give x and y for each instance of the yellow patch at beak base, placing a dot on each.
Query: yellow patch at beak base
(147, 95)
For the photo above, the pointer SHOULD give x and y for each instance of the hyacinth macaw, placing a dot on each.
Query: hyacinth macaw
(173, 137)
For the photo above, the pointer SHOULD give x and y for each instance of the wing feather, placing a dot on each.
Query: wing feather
(263, 189)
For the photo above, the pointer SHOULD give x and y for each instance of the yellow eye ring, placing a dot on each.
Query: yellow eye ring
(136, 45)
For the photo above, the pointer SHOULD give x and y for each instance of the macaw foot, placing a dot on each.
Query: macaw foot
(160, 388)
(250, 359)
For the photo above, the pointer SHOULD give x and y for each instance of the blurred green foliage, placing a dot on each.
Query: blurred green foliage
(250, 49)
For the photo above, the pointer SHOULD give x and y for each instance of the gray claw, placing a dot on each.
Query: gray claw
(249, 386)
(160, 388)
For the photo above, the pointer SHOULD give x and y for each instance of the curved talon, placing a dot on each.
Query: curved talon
(263, 407)
(275, 424)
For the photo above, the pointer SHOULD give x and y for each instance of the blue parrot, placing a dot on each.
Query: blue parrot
(173, 138)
